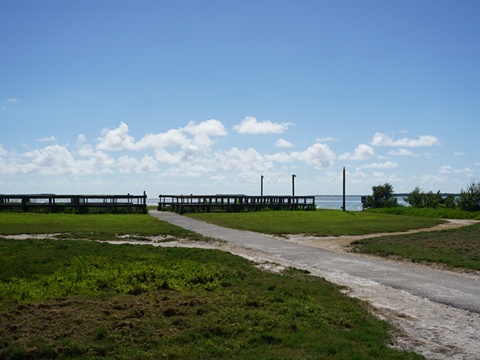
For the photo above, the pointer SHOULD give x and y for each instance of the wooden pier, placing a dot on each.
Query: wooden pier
(81, 204)
(233, 203)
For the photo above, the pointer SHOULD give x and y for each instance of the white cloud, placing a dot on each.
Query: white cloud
(116, 139)
(362, 152)
(50, 160)
(447, 169)
(320, 156)
(380, 139)
(173, 137)
(250, 125)
(401, 152)
(47, 139)
(164, 156)
(459, 153)
(12, 100)
(203, 133)
(201, 141)
(386, 165)
(281, 157)
(237, 159)
(282, 143)
(210, 127)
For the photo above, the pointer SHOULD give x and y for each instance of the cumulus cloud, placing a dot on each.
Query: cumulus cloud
(282, 143)
(238, 159)
(116, 139)
(320, 156)
(173, 137)
(210, 127)
(380, 139)
(184, 151)
(362, 152)
(250, 125)
(50, 160)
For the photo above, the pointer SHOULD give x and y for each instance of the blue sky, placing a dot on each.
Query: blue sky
(204, 97)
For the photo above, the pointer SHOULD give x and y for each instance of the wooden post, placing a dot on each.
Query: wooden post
(293, 184)
(261, 185)
(343, 206)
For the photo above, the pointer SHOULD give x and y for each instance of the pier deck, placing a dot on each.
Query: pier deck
(233, 203)
(74, 203)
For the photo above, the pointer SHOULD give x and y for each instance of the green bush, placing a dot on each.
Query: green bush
(382, 197)
(469, 199)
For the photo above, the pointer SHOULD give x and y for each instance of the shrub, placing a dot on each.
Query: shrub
(382, 196)
(469, 199)
(419, 199)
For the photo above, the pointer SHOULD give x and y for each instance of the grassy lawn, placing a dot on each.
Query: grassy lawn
(317, 223)
(97, 227)
(83, 299)
(439, 213)
(455, 248)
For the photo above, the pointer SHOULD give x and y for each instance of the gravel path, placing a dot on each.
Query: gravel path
(437, 312)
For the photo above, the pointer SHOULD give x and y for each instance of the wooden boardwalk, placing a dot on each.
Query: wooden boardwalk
(74, 203)
(233, 203)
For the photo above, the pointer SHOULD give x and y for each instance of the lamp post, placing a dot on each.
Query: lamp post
(293, 184)
(261, 185)
(343, 206)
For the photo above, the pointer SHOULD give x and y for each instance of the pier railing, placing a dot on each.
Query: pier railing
(74, 203)
(233, 203)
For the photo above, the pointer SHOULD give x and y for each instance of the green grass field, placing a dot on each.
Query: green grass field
(77, 299)
(84, 299)
(458, 248)
(317, 223)
(440, 212)
(455, 248)
(96, 227)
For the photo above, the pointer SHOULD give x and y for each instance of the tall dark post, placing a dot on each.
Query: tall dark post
(293, 184)
(343, 207)
(261, 185)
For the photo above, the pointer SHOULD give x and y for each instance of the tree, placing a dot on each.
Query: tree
(420, 199)
(450, 201)
(415, 198)
(382, 196)
(469, 199)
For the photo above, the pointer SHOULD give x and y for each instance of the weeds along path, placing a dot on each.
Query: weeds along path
(437, 312)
